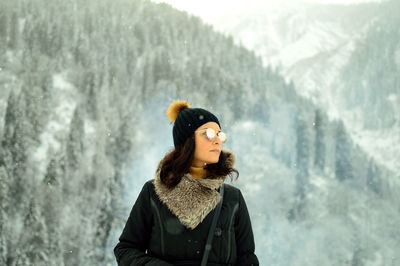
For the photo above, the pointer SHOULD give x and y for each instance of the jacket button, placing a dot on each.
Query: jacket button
(198, 252)
(218, 231)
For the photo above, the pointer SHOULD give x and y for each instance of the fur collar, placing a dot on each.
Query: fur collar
(192, 198)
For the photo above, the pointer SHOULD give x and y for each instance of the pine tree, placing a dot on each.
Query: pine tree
(319, 126)
(15, 144)
(104, 222)
(92, 103)
(302, 165)
(33, 241)
(373, 178)
(35, 107)
(14, 34)
(343, 167)
(4, 202)
(55, 173)
(75, 140)
(51, 192)
(12, 114)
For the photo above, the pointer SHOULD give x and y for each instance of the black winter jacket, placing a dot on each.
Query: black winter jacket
(170, 227)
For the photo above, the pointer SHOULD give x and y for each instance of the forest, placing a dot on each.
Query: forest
(83, 91)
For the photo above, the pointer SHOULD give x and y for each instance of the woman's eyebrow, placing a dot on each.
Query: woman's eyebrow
(214, 129)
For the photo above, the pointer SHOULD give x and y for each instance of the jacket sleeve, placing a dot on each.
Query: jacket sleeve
(244, 236)
(131, 249)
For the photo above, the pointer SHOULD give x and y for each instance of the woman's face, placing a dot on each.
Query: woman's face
(206, 151)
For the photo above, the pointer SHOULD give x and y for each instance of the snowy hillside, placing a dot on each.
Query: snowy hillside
(311, 44)
(83, 96)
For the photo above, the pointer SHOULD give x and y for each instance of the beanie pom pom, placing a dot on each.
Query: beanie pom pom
(175, 108)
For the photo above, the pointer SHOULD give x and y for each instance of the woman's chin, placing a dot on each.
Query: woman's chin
(213, 161)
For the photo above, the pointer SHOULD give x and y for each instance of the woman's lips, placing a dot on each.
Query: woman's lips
(214, 150)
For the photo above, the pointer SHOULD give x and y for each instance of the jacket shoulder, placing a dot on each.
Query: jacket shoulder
(149, 185)
(231, 192)
(231, 188)
(149, 182)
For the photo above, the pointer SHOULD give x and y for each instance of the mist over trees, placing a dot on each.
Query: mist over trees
(371, 80)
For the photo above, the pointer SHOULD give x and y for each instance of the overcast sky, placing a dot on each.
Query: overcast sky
(208, 9)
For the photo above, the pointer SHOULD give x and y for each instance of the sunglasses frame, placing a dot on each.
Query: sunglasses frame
(211, 134)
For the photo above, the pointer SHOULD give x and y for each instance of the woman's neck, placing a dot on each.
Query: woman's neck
(197, 172)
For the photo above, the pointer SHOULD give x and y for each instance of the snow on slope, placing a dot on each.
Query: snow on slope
(310, 44)
(57, 127)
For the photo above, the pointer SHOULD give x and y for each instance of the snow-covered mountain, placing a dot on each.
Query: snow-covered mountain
(82, 126)
(313, 45)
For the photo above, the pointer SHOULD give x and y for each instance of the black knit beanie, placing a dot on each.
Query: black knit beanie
(187, 120)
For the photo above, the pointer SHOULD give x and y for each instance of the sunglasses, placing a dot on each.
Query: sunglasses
(210, 134)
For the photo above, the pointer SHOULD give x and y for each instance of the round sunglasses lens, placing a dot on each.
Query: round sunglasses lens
(210, 133)
(222, 136)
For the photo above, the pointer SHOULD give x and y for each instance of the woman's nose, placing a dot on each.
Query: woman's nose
(217, 140)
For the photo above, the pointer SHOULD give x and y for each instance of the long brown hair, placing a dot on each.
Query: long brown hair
(177, 162)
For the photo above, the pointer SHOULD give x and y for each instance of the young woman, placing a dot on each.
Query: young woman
(171, 218)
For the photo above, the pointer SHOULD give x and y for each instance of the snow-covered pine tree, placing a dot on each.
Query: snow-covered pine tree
(33, 242)
(319, 142)
(343, 166)
(302, 172)
(4, 202)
